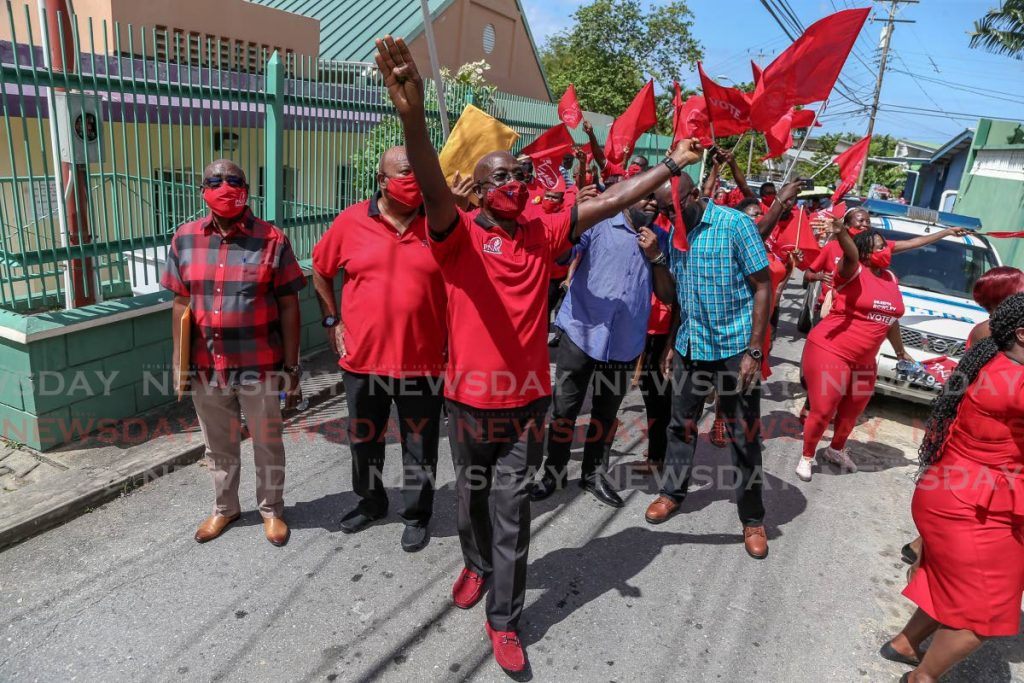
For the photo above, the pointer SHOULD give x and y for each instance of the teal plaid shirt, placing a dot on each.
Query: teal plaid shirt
(716, 302)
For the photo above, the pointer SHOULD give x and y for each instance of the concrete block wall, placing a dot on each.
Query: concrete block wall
(67, 374)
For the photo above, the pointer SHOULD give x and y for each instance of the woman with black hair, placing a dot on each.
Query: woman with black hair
(839, 360)
(969, 506)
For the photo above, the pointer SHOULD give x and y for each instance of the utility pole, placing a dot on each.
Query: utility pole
(886, 41)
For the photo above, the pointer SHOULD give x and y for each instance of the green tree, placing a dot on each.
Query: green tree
(892, 176)
(613, 48)
(1001, 30)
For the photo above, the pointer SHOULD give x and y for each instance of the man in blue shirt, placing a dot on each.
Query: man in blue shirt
(724, 296)
(604, 324)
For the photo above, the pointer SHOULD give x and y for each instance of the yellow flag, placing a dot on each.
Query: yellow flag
(476, 133)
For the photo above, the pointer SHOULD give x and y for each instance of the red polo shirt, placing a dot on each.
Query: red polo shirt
(497, 307)
(392, 297)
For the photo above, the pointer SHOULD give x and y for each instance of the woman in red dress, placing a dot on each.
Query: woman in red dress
(969, 506)
(839, 359)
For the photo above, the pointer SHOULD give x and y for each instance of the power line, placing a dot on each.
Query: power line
(974, 90)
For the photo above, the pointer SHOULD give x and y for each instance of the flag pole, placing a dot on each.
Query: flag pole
(803, 142)
(428, 28)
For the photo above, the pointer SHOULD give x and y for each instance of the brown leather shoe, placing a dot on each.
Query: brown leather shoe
(213, 526)
(661, 509)
(755, 541)
(276, 530)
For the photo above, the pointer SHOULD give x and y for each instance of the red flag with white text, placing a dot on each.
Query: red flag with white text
(728, 108)
(569, 110)
(547, 152)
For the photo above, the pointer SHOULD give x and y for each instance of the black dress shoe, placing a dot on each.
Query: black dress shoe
(548, 484)
(415, 538)
(598, 485)
(889, 652)
(356, 519)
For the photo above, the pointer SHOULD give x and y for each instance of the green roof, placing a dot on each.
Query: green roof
(349, 27)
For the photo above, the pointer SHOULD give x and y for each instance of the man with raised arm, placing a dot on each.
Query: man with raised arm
(496, 265)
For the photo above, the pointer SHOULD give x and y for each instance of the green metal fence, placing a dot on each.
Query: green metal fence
(162, 106)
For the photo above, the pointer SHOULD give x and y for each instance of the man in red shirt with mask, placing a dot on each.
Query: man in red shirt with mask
(390, 339)
(239, 278)
(498, 383)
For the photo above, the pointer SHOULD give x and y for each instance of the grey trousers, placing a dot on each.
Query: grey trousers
(496, 455)
(219, 410)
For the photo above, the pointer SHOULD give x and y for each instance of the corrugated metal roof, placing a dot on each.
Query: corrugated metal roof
(349, 27)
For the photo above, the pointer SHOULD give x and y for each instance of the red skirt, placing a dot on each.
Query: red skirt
(972, 569)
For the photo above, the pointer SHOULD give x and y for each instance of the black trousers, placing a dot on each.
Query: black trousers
(554, 296)
(574, 370)
(657, 393)
(692, 383)
(419, 402)
(496, 455)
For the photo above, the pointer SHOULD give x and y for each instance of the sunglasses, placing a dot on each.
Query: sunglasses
(499, 178)
(213, 182)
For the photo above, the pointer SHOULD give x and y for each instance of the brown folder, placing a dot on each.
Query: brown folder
(184, 360)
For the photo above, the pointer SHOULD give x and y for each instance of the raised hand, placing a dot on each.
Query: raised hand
(403, 80)
(462, 188)
(586, 193)
(790, 190)
(686, 152)
(588, 128)
(649, 243)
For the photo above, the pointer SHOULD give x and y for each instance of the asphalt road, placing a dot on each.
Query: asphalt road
(124, 593)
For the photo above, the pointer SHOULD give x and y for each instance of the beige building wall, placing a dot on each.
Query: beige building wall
(460, 38)
(243, 28)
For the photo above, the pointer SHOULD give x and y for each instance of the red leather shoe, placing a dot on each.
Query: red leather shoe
(468, 589)
(508, 651)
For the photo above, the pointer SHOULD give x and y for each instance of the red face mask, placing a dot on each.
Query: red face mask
(881, 259)
(509, 200)
(550, 205)
(404, 190)
(226, 201)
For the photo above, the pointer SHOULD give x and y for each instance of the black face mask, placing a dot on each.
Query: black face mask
(692, 214)
(641, 219)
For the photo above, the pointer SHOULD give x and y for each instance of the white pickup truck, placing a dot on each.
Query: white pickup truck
(936, 282)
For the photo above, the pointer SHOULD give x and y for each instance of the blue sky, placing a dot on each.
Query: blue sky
(934, 50)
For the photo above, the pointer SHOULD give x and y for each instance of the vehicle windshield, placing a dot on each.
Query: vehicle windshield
(945, 267)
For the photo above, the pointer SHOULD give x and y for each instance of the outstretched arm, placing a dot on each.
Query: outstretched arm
(712, 180)
(405, 86)
(631, 190)
(851, 257)
(925, 240)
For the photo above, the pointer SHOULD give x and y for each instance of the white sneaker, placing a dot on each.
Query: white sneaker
(804, 467)
(841, 458)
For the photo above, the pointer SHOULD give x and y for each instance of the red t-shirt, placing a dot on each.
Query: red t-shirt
(660, 320)
(497, 308)
(863, 309)
(393, 296)
(828, 262)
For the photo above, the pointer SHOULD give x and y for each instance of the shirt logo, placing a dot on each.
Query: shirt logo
(493, 245)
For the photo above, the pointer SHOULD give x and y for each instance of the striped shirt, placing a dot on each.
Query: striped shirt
(716, 302)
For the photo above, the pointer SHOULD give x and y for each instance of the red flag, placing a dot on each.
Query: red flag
(805, 118)
(728, 108)
(797, 234)
(1003, 235)
(695, 122)
(780, 136)
(757, 71)
(850, 163)
(547, 152)
(682, 129)
(639, 116)
(806, 71)
(569, 110)
(679, 240)
(677, 113)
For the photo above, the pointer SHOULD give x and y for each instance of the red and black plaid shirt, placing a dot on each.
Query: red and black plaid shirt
(233, 283)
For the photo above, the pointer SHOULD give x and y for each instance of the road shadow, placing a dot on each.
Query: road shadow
(573, 577)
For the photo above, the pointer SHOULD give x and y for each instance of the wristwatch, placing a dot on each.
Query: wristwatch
(756, 354)
(674, 168)
(330, 321)
(292, 369)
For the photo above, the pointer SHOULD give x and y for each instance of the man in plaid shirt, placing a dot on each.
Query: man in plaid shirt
(724, 296)
(240, 278)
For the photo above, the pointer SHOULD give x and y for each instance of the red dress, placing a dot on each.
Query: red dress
(969, 508)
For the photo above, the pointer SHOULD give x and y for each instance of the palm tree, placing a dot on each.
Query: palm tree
(1001, 30)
